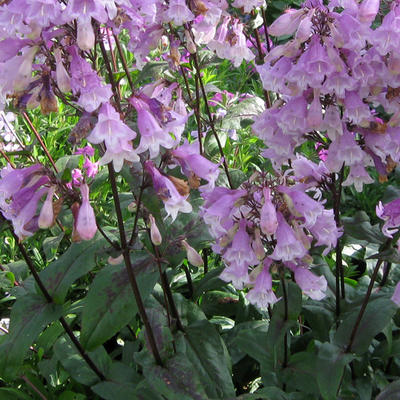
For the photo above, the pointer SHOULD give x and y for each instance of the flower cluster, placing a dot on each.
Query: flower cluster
(332, 76)
(267, 223)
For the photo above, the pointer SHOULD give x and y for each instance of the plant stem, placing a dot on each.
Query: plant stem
(286, 316)
(7, 159)
(210, 119)
(124, 64)
(174, 310)
(364, 305)
(36, 133)
(386, 269)
(110, 75)
(138, 205)
(189, 281)
(168, 297)
(337, 194)
(40, 394)
(205, 260)
(129, 268)
(49, 299)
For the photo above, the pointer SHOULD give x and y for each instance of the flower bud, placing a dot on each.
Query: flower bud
(192, 255)
(257, 245)
(368, 10)
(85, 37)
(287, 23)
(116, 260)
(190, 45)
(62, 77)
(86, 222)
(46, 216)
(154, 232)
(268, 219)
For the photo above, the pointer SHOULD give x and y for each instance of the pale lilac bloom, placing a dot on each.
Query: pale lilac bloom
(178, 12)
(248, 5)
(152, 134)
(262, 294)
(83, 11)
(288, 247)
(301, 205)
(117, 137)
(268, 218)
(238, 257)
(110, 129)
(358, 177)
(174, 202)
(312, 285)
(396, 295)
(46, 216)
(85, 82)
(390, 213)
(192, 162)
(344, 150)
(325, 231)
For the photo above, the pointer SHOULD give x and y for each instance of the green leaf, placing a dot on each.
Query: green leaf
(391, 392)
(319, 318)
(78, 260)
(330, 365)
(13, 394)
(50, 245)
(219, 303)
(250, 338)
(121, 383)
(29, 315)
(210, 358)
(110, 303)
(75, 365)
(300, 373)
(176, 380)
(377, 315)
(359, 227)
(248, 108)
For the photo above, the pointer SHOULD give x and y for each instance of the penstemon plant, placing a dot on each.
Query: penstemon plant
(175, 196)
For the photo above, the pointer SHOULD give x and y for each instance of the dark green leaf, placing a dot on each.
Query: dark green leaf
(392, 392)
(359, 227)
(377, 315)
(29, 315)
(50, 245)
(330, 365)
(75, 365)
(78, 260)
(110, 303)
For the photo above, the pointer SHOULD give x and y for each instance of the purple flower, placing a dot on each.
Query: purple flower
(193, 163)
(117, 137)
(86, 82)
(262, 294)
(174, 202)
(396, 295)
(288, 247)
(312, 285)
(268, 218)
(390, 213)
